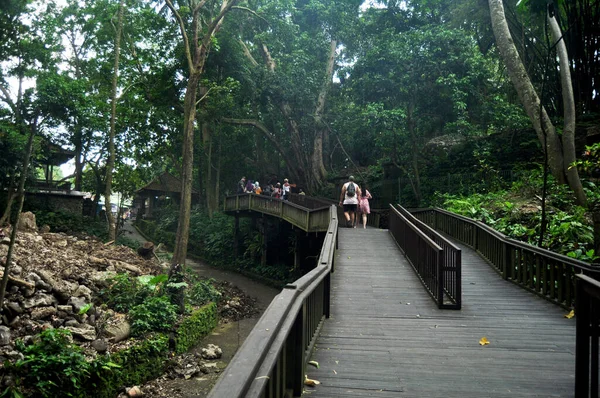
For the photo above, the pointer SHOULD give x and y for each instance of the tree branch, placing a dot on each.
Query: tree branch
(260, 126)
(184, 34)
(8, 100)
(251, 12)
(247, 53)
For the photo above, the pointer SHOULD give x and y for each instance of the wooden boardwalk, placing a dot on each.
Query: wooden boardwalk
(386, 338)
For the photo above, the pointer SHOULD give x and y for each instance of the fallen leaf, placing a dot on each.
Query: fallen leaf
(334, 371)
(262, 377)
(311, 382)
(484, 341)
(570, 314)
(314, 363)
(348, 256)
(337, 362)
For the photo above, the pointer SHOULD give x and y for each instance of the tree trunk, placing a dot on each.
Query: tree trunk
(568, 136)
(110, 164)
(21, 195)
(526, 91)
(318, 172)
(183, 227)
(10, 197)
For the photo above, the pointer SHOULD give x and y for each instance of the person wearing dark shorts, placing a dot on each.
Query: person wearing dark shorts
(349, 199)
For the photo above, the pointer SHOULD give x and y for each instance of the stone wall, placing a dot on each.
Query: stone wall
(69, 203)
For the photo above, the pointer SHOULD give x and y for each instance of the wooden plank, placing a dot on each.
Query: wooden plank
(386, 338)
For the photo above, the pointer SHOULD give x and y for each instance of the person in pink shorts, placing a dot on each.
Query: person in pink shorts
(363, 204)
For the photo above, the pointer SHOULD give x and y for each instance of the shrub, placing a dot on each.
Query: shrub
(124, 292)
(203, 291)
(154, 314)
(196, 326)
(53, 366)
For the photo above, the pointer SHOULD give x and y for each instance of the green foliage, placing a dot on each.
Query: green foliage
(201, 322)
(53, 366)
(202, 292)
(124, 292)
(153, 314)
(73, 224)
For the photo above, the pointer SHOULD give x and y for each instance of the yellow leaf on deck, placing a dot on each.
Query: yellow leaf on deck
(484, 341)
(311, 382)
(570, 314)
(314, 363)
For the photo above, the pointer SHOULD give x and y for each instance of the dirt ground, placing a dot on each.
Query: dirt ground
(228, 336)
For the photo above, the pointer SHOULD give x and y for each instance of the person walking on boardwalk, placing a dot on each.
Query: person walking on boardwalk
(363, 205)
(349, 199)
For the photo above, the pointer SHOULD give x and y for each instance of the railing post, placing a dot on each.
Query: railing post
(582, 341)
(506, 261)
(327, 296)
(296, 355)
(440, 271)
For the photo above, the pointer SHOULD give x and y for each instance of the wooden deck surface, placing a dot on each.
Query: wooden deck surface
(386, 338)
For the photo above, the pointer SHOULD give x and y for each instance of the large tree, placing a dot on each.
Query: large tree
(560, 154)
(198, 21)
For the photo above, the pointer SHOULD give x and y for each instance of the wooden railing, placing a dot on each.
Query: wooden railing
(308, 219)
(587, 340)
(425, 256)
(451, 279)
(273, 358)
(545, 273)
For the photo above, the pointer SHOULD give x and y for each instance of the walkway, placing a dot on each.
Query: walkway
(386, 338)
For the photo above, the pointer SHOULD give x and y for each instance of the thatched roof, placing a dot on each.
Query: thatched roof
(165, 183)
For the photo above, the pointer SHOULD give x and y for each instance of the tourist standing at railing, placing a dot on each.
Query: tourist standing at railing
(241, 186)
(249, 186)
(277, 191)
(349, 199)
(257, 188)
(286, 189)
(363, 205)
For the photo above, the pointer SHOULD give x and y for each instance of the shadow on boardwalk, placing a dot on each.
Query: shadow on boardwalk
(386, 337)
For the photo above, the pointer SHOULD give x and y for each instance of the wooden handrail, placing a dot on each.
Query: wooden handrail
(587, 338)
(451, 276)
(274, 356)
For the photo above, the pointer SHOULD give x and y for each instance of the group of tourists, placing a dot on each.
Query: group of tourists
(277, 190)
(355, 201)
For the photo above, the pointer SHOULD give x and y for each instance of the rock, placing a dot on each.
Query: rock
(119, 331)
(42, 312)
(41, 285)
(63, 289)
(65, 308)
(4, 335)
(135, 391)
(61, 243)
(77, 303)
(57, 322)
(212, 352)
(39, 300)
(100, 345)
(27, 222)
(15, 270)
(14, 308)
(15, 323)
(72, 323)
(85, 332)
(45, 229)
(99, 278)
(83, 291)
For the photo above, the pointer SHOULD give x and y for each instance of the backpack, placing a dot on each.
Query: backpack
(351, 190)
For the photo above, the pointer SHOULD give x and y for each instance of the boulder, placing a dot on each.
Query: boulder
(27, 222)
(85, 332)
(119, 331)
(63, 289)
(212, 352)
(135, 391)
(14, 307)
(100, 345)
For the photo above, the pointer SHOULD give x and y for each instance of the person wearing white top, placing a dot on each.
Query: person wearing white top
(349, 199)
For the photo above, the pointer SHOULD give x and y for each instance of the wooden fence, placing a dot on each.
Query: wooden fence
(545, 273)
(273, 358)
(587, 346)
(308, 219)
